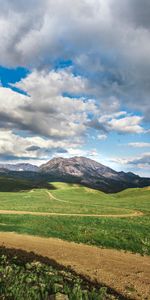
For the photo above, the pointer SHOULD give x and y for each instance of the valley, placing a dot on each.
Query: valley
(98, 236)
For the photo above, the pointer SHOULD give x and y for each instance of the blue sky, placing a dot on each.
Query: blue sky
(82, 89)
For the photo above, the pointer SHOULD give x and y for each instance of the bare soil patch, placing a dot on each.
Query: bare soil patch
(127, 273)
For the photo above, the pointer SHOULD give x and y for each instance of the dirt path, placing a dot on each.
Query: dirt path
(51, 196)
(21, 212)
(127, 273)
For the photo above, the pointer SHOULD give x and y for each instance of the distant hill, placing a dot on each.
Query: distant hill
(19, 167)
(14, 184)
(11, 183)
(76, 170)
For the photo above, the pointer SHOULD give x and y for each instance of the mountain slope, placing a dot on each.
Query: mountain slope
(91, 173)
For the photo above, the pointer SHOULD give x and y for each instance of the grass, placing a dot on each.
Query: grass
(130, 233)
(68, 199)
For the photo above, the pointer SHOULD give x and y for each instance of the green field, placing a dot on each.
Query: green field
(131, 233)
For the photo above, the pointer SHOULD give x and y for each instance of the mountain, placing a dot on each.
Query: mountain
(3, 170)
(77, 167)
(90, 173)
(19, 167)
(76, 170)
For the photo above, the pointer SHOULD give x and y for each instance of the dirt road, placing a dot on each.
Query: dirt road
(127, 273)
(20, 212)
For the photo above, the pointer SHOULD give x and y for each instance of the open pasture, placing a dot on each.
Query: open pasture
(109, 230)
(70, 198)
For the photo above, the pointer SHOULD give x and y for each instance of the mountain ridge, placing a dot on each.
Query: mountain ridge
(81, 170)
(19, 167)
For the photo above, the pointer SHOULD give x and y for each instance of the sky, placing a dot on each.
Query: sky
(75, 81)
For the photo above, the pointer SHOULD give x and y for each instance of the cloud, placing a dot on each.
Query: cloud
(133, 11)
(142, 161)
(120, 122)
(55, 115)
(129, 124)
(44, 121)
(102, 137)
(102, 38)
(139, 144)
(45, 111)
(105, 90)
(14, 147)
(139, 164)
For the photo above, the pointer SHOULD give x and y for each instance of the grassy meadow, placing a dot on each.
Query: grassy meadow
(131, 233)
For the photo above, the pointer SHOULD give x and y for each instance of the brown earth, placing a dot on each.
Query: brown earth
(127, 273)
(21, 212)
